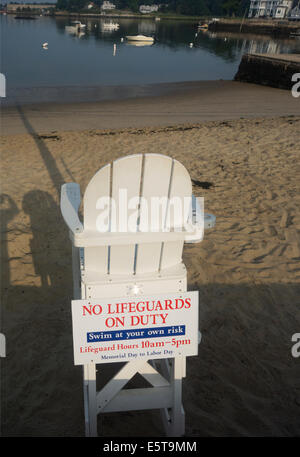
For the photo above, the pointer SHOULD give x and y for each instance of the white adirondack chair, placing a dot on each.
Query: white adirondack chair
(124, 263)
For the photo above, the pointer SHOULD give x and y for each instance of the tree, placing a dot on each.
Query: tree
(231, 6)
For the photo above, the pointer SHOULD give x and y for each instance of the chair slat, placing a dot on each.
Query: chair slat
(126, 181)
(156, 181)
(96, 258)
(180, 190)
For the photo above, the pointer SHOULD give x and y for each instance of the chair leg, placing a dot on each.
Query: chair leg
(90, 402)
(76, 273)
(177, 416)
(173, 418)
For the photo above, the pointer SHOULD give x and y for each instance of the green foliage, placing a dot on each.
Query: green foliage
(71, 5)
(186, 7)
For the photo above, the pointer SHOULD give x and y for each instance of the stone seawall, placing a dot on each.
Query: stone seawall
(261, 27)
(274, 70)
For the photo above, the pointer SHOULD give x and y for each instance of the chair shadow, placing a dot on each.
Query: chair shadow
(35, 309)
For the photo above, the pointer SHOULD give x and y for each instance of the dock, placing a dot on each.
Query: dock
(276, 28)
(275, 70)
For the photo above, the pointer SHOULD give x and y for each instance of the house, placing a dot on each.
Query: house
(278, 9)
(295, 13)
(283, 8)
(107, 5)
(146, 9)
(14, 7)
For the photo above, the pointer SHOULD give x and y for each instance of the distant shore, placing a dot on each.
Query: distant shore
(117, 15)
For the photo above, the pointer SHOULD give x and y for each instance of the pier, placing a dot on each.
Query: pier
(275, 70)
(280, 28)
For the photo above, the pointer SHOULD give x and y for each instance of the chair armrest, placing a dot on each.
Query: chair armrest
(199, 222)
(92, 238)
(209, 221)
(69, 205)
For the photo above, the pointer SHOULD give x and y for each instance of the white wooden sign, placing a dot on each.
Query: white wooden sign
(134, 328)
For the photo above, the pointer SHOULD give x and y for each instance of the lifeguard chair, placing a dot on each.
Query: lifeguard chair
(119, 262)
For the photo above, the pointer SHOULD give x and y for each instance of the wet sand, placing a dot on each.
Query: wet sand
(173, 104)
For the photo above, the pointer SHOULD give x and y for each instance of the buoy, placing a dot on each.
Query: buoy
(115, 48)
(122, 39)
(191, 45)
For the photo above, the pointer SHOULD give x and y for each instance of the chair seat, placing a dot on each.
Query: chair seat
(171, 280)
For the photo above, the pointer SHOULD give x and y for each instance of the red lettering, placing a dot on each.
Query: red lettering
(168, 304)
(176, 305)
(188, 302)
(85, 308)
(114, 322)
(96, 309)
(141, 308)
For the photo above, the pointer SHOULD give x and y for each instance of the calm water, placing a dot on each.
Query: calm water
(76, 61)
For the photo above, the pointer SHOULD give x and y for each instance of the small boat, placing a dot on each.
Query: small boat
(78, 24)
(148, 39)
(45, 45)
(203, 26)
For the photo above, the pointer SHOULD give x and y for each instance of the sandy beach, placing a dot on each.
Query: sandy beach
(241, 138)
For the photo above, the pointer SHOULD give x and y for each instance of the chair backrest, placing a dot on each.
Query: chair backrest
(144, 178)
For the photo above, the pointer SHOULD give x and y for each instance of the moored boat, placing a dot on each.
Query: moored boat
(144, 38)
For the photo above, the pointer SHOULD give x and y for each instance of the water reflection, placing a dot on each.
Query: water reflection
(108, 26)
(139, 44)
(72, 30)
(176, 35)
(255, 43)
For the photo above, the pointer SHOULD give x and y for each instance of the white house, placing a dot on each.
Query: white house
(106, 5)
(295, 13)
(278, 9)
(146, 9)
(283, 8)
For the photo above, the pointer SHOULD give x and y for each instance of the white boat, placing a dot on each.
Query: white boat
(144, 38)
(78, 24)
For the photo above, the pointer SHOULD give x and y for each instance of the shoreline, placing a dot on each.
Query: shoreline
(173, 104)
(60, 95)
